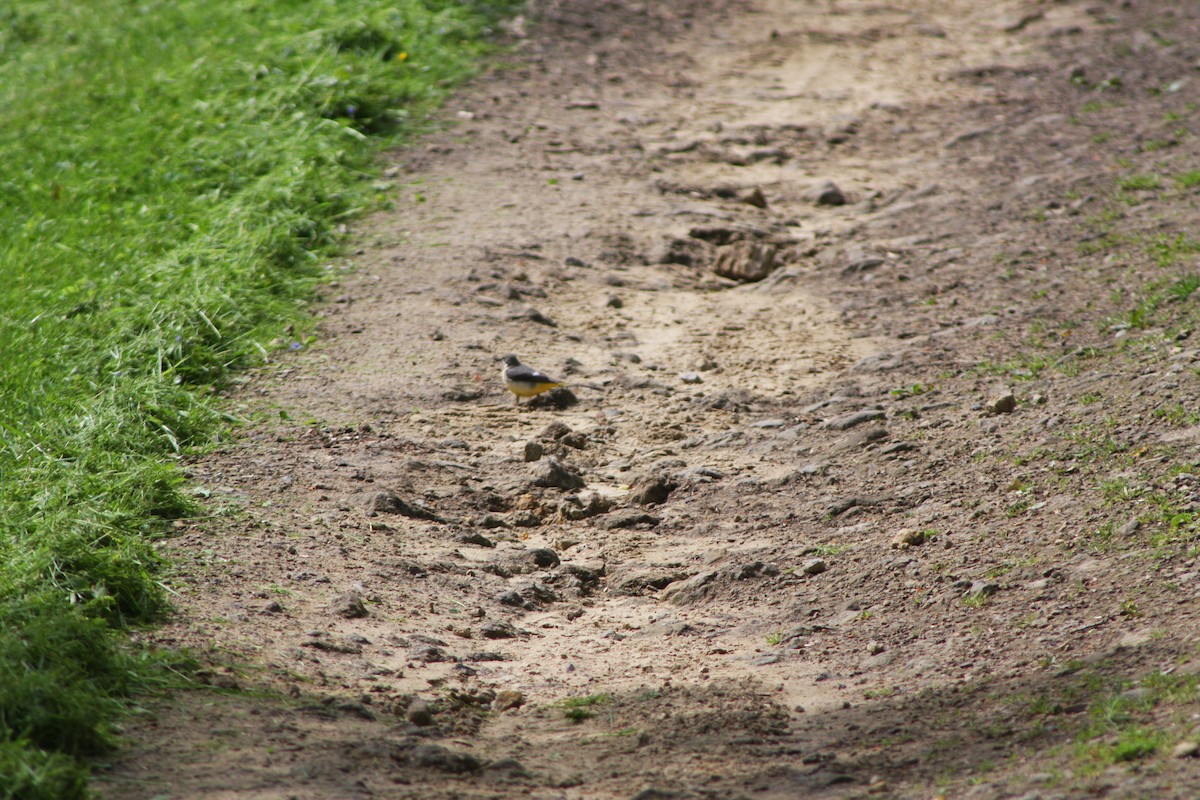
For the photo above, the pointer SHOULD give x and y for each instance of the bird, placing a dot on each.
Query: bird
(525, 381)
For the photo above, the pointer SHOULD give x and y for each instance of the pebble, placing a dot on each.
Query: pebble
(348, 606)
(814, 566)
(651, 489)
(389, 502)
(631, 520)
(1001, 403)
(1185, 750)
(534, 451)
(499, 630)
(754, 197)
(691, 377)
(746, 261)
(579, 507)
(908, 537)
(419, 713)
(525, 519)
(847, 421)
(508, 699)
(981, 589)
(824, 193)
(551, 473)
(435, 756)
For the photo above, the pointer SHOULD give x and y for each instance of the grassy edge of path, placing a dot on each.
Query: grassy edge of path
(173, 175)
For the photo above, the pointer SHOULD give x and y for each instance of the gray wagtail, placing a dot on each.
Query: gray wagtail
(525, 381)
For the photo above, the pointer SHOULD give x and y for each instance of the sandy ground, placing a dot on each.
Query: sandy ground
(835, 532)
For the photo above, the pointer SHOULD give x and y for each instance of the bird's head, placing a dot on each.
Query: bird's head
(510, 360)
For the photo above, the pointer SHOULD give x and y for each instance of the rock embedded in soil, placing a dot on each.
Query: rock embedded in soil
(689, 590)
(1003, 402)
(824, 193)
(859, 438)
(499, 630)
(746, 261)
(443, 759)
(389, 502)
(981, 589)
(814, 566)
(508, 699)
(348, 606)
(908, 537)
(651, 489)
(1186, 749)
(753, 197)
(576, 506)
(419, 713)
(847, 421)
(534, 451)
(551, 473)
(632, 519)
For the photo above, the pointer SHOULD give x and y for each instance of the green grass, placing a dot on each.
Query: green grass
(1135, 183)
(172, 175)
(578, 709)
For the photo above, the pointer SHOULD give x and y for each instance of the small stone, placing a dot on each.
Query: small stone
(1138, 694)
(614, 301)
(443, 759)
(1001, 403)
(1129, 528)
(847, 421)
(1185, 750)
(874, 648)
(510, 598)
(499, 630)
(541, 557)
(389, 502)
(348, 606)
(841, 127)
(426, 653)
(419, 713)
(553, 432)
(632, 519)
(651, 489)
(824, 193)
(525, 519)
(908, 537)
(981, 589)
(551, 473)
(575, 439)
(746, 261)
(508, 699)
(754, 197)
(579, 507)
(691, 377)
(534, 451)
(814, 566)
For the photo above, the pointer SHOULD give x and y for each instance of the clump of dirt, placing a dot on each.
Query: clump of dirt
(877, 476)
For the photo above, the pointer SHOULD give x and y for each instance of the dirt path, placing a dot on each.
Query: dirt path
(413, 603)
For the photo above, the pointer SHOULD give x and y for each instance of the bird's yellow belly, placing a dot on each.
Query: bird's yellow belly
(531, 389)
